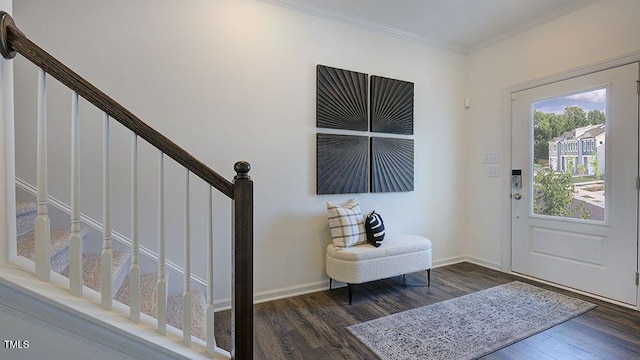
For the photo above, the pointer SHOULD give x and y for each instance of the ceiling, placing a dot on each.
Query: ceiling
(461, 26)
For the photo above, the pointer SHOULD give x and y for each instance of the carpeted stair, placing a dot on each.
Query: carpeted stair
(148, 293)
(198, 312)
(149, 301)
(92, 267)
(25, 218)
(26, 213)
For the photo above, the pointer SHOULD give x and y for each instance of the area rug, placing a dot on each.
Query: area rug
(470, 326)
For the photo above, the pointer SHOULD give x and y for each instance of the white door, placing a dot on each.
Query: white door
(575, 212)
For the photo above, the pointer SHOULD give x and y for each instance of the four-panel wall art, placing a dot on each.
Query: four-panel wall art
(362, 162)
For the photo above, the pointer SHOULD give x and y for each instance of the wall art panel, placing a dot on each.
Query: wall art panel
(391, 106)
(342, 164)
(341, 99)
(391, 164)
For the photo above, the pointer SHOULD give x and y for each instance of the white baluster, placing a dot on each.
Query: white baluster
(75, 239)
(134, 274)
(211, 339)
(186, 295)
(42, 227)
(162, 275)
(107, 253)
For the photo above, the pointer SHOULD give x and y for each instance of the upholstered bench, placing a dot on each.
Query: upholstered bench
(398, 255)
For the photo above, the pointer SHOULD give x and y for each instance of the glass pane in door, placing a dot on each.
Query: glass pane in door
(569, 156)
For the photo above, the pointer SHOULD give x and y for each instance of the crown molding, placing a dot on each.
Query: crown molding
(534, 23)
(324, 12)
(314, 9)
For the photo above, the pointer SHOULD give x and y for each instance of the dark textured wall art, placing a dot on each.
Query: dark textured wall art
(342, 164)
(347, 100)
(341, 99)
(391, 106)
(391, 164)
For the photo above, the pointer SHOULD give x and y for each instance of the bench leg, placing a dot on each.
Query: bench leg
(350, 288)
(428, 277)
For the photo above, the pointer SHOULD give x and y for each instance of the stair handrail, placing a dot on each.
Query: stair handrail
(240, 191)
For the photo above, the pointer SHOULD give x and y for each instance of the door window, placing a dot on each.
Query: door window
(568, 175)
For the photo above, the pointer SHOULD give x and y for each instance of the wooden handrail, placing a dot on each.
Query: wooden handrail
(12, 40)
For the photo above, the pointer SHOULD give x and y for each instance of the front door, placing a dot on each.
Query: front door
(575, 202)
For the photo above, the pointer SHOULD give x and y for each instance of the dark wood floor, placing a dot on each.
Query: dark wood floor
(313, 326)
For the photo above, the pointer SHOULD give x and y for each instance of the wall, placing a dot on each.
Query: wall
(598, 32)
(235, 80)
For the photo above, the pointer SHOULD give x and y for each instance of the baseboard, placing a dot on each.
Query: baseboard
(484, 263)
(466, 258)
(316, 286)
(290, 291)
(448, 261)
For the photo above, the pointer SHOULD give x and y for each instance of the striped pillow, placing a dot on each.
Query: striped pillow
(346, 224)
(375, 229)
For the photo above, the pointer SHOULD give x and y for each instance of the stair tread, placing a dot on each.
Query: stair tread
(59, 242)
(25, 217)
(198, 312)
(149, 301)
(92, 268)
(148, 293)
(25, 207)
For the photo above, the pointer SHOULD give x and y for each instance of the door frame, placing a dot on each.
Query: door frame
(506, 259)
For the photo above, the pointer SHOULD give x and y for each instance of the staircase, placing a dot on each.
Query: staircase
(25, 220)
(47, 272)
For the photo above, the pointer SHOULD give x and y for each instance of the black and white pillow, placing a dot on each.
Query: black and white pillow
(375, 229)
(346, 224)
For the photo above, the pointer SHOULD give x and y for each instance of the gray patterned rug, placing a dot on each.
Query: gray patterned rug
(470, 326)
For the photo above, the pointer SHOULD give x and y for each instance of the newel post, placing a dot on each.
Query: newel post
(242, 298)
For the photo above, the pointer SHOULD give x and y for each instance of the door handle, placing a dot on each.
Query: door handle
(516, 196)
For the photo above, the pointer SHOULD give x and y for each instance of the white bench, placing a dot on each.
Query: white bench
(398, 255)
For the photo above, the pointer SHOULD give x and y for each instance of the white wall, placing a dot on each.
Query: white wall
(598, 32)
(235, 80)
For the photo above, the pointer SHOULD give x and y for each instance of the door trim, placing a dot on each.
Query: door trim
(506, 260)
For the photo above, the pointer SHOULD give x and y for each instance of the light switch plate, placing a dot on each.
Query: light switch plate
(493, 171)
(491, 158)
